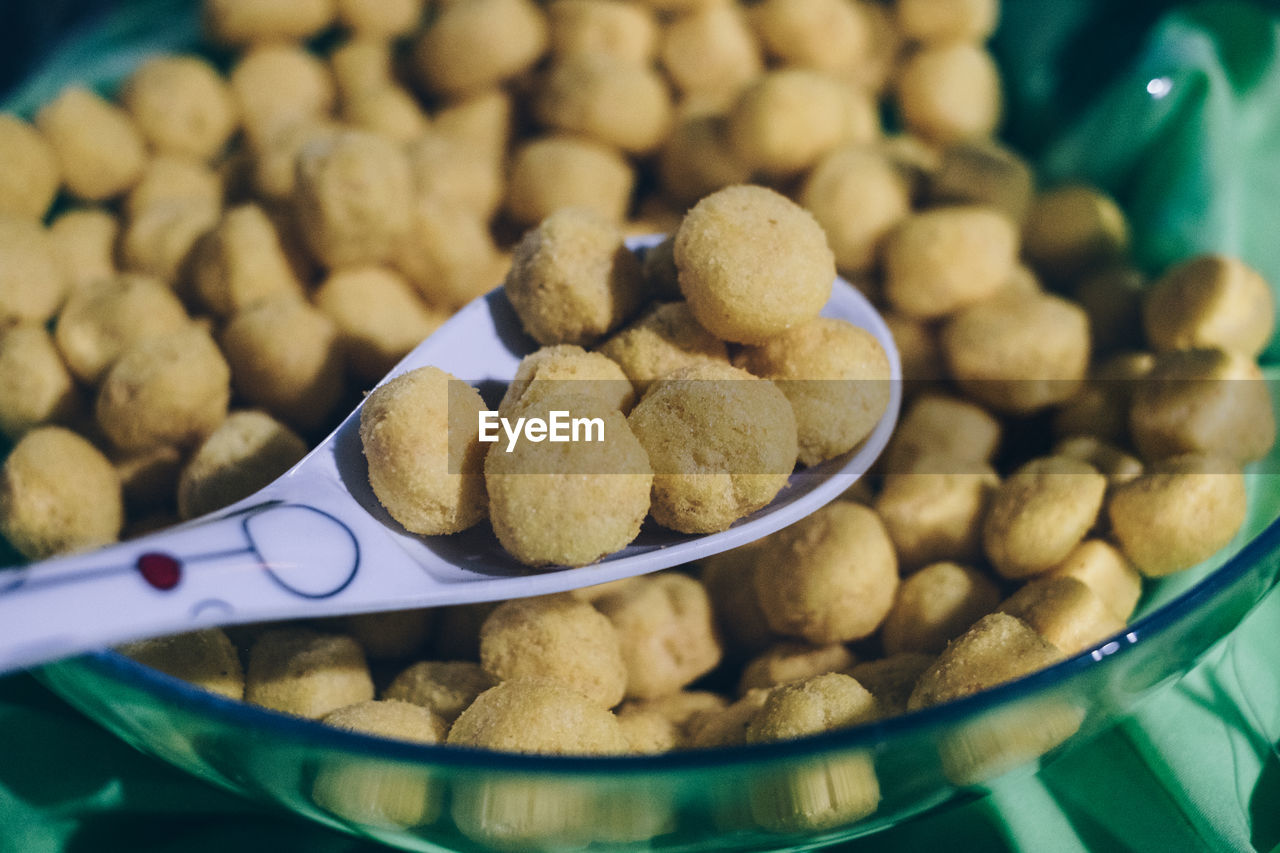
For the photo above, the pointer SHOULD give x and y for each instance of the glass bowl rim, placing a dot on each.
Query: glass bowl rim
(868, 736)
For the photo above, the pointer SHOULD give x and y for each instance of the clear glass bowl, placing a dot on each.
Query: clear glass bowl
(810, 791)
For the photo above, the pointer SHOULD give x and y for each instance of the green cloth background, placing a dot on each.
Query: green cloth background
(1196, 768)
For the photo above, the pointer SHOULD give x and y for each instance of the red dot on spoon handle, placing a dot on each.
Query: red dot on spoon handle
(160, 570)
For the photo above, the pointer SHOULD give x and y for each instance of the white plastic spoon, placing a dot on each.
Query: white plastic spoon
(316, 542)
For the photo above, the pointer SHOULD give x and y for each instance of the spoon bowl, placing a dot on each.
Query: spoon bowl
(316, 542)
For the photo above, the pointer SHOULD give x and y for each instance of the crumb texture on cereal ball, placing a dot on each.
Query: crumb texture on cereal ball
(58, 493)
(444, 687)
(555, 638)
(390, 718)
(246, 452)
(837, 377)
(306, 673)
(205, 658)
(566, 368)
(531, 715)
(569, 503)
(420, 437)
(573, 280)
(752, 263)
(721, 443)
(830, 577)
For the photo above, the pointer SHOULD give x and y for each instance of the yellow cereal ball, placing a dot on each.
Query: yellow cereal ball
(947, 20)
(944, 428)
(618, 28)
(1072, 229)
(613, 101)
(167, 389)
(647, 731)
(1101, 567)
(836, 376)
(950, 92)
(458, 175)
(205, 659)
(29, 172)
(787, 119)
(1040, 513)
(933, 509)
(448, 254)
(305, 673)
(84, 245)
(389, 718)
(159, 241)
(891, 679)
(980, 171)
(948, 258)
(858, 196)
(711, 54)
(1018, 353)
(787, 662)
(278, 85)
(722, 444)
(1203, 401)
(561, 171)
(826, 35)
(1179, 513)
(831, 792)
(566, 368)
(480, 122)
(818, 704)
(680, 709)
(662, 340)
(666, 630)
(237, 23)
(353, 198)
(379, 316)
(31, 285)
(392, 112)
(241, 263)
(752, 263)
(935, 605)
(1065, 611)
(1210, 301)
(573, 280)
(246, 452)
(568, 502)
(555, 638)
(382, 19)
(35, 385)
(102, 320)
(538, 716)
(362, 64)
(446, 688)
(830, 577)
(420, 437)
(170, 178)
(58, 493)
(998, 648)
(695, 160)
(394, 798)
(181, 106)
(100, 152)
(476, 44)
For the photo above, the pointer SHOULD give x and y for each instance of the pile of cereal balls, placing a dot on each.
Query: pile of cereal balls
(688, 434)
(199, 276)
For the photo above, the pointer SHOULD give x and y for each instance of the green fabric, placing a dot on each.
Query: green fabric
(1196, 768)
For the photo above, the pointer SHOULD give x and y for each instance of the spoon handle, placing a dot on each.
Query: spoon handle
(271, 556)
